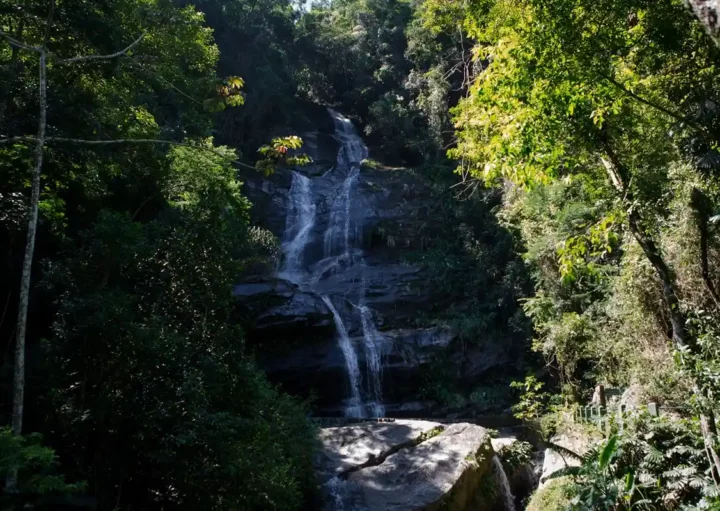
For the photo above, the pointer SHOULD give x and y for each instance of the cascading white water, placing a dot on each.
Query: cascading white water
(337, 491)
(299, 224)
(352, 149)
(337, 235)
(351, 153)
(354, 408)
(373, 344)
(503, 485)
(341, 247)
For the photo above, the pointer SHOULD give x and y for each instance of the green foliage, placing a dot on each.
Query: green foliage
(228, 95)
(279, 152)
(532, 402)
(141, 381)
(35, 463)
(475, 278)
(515, 455)
(195, 175)
(654, 463)
(554, 496)
(592, 111)
(568, 84)
(257, 42)
(378, 61)
(207, 429)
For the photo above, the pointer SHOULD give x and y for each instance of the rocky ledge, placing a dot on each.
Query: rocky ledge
(407, 465)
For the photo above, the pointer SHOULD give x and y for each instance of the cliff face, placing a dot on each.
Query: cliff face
(339, 318)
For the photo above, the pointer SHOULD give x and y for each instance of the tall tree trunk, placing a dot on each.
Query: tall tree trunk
(677, 318)
(708, 12)
(618, 176)
(701, 208)
(25, 278)
(19, 376)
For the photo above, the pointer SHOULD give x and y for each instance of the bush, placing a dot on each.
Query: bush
(515, 455)
(36, 465)
(157, 403)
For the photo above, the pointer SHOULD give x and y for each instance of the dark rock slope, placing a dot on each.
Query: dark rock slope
(293, 329)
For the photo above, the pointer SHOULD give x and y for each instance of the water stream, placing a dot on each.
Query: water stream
(300, 222)
(373, 358)
(342, 251)
(502, 484)
(354, 407)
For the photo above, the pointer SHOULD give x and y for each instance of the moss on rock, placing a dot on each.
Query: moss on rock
(554, 496)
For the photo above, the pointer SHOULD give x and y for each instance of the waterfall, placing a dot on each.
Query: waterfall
(337, 491)
(299, 224)
(354, 409)
(339, 223)
(503, 485)
(373, 340)
(352, 149)
(342, 250)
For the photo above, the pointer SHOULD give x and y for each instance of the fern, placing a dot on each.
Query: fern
(653, 464)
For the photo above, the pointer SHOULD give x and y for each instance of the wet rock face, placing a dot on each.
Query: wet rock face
(406, 465)
(348, 231)
(523, 478)
(391, 207)
(317, 367)
(280, 309)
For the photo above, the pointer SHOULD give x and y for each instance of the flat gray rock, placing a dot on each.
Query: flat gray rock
(349, 447)
(449, 471)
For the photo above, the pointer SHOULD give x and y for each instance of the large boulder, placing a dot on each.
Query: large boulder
(441, 470)
(574, 441)
(347, 448)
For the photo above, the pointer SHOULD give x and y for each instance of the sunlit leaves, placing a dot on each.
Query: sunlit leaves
(281, 151)
(228, 94)
(532, 401)
(197, 175)
(580, 254)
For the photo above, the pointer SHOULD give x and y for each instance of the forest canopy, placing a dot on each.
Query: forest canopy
(577, 139)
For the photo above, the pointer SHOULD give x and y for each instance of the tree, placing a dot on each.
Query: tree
(154, 399)
(580, 89)
(228, 95)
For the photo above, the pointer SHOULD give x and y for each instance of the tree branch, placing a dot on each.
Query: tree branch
(28, 138)
(48, 25)
(19, 44)
(166, 82)
(12, 140)
(674, 115)
(105, 57)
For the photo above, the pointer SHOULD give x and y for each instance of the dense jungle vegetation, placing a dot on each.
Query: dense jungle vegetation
(574, 141)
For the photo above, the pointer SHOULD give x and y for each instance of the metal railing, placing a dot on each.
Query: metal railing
(603, 416)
